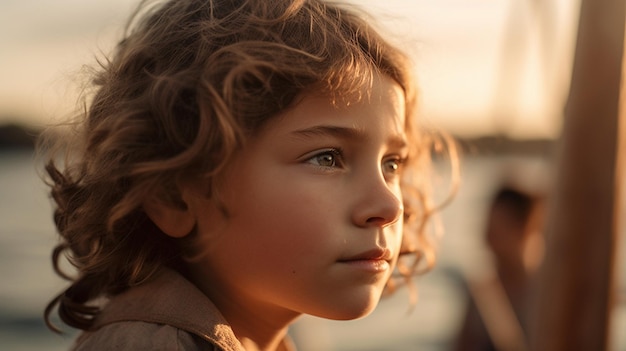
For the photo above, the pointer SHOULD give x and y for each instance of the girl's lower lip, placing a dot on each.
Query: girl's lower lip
(375, 266)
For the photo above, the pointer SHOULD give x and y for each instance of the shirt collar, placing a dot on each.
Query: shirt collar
(171, 299)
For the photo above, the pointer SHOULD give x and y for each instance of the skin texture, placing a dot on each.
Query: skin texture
(314, 220)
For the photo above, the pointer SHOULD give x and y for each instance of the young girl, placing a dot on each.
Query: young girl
(242, 162)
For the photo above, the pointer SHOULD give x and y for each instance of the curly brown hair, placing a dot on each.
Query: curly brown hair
(188, 84)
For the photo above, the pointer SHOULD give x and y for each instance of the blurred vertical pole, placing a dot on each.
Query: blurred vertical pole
(576, 283)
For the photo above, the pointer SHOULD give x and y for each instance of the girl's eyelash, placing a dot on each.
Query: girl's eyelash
(336, 159)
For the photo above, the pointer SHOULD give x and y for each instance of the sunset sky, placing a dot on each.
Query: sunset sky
(483, 66)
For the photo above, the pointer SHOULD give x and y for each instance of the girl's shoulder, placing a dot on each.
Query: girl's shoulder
(142, 336)
(166, 313)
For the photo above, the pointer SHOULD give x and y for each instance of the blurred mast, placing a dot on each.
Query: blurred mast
(576, 284)
(535, 31)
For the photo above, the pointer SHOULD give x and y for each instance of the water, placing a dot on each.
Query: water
(27, 236)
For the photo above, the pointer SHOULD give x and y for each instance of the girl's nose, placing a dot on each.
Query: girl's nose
(379, 205)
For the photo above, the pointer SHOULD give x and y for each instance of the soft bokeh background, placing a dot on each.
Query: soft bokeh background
(494, 73)
(484, 66)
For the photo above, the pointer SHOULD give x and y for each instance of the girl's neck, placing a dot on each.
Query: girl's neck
(260, 331)
(276, 343)
(257, 326)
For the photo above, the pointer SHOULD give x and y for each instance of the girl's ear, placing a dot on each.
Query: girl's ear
(173, 221)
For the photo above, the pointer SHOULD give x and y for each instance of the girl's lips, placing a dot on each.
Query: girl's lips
(370, 265)
(376, 260)
(376, 254)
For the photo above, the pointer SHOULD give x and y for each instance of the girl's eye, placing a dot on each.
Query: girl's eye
(393, 165)
(328, 159)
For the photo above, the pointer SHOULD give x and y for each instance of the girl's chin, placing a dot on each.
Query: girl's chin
(350, 310)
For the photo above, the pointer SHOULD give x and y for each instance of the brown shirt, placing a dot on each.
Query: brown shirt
(167, 313)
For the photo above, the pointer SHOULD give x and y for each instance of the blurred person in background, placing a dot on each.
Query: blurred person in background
(496, 315)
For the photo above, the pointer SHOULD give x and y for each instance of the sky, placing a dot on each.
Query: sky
(483, 66)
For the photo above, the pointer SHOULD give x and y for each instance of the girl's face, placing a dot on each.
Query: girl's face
(314, 206)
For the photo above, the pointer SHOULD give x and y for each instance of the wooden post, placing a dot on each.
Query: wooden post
(576, 283)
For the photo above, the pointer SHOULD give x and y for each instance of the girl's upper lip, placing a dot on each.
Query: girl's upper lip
(378, 253)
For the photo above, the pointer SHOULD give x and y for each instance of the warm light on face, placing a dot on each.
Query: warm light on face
(315, 211)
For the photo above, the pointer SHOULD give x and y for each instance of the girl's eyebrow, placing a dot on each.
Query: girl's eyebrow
(353, 134)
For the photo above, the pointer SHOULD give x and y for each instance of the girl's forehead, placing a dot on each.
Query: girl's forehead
(383, 97)
(376, 90)
(369, 88)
